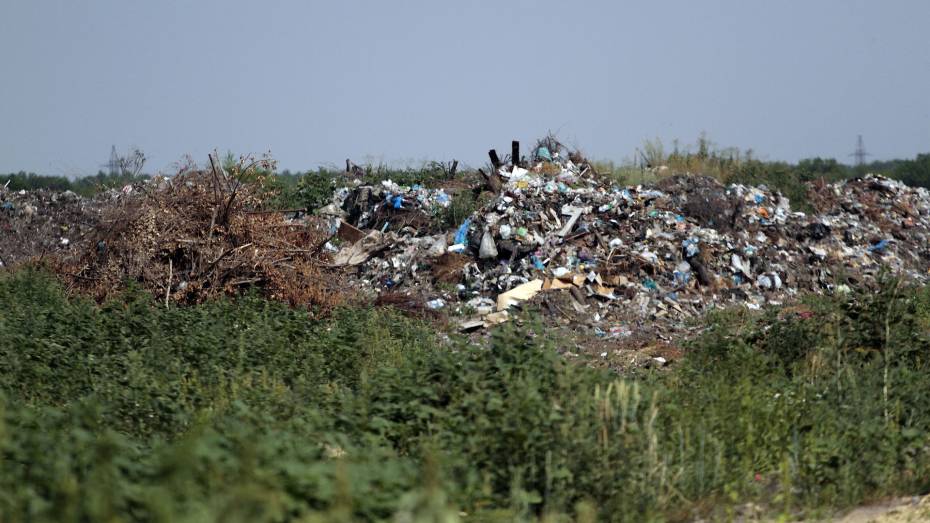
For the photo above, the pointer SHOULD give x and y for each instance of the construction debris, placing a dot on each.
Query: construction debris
(641, 256)
(517, 294)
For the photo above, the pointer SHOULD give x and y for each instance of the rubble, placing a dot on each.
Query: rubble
(34, 224)
(629, 258)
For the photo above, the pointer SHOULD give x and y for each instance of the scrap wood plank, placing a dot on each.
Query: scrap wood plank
(575, 213)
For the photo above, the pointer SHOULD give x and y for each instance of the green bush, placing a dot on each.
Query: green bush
(828, 169)
(85, 186)
(315, 189)
(914, 172)
(31, 181)
(248, 410)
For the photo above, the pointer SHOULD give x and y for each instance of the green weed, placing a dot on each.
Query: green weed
(248, 410)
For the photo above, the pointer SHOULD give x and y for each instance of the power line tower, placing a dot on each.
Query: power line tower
(860, 152)
(113, 166)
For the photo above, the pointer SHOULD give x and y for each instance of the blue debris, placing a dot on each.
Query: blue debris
(461, 235)
(537, 263)
(691, 247)
(543, 154)
(760, 198)
(879, 246)
(7, 206)
(650, 284)
(397, 201)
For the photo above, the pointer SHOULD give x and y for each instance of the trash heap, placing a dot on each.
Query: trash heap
(41, 223)
(616, 259)
(377, 207)
(605, 259)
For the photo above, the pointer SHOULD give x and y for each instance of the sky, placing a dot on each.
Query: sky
(401, 82)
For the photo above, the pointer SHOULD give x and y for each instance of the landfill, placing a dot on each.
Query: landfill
(614, 259)
(606, 260)
(44, 223)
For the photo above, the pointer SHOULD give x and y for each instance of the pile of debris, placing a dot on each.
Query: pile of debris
(44, 223)
(627, 257)
(387, 204)
(193, 236)
(606, 259)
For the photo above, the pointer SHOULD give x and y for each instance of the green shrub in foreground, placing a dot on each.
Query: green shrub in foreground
(251, 410)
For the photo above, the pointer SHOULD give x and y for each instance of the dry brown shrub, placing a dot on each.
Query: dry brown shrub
(193, 237)
(412, 305)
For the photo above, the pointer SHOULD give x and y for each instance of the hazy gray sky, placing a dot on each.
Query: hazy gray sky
(316, 82)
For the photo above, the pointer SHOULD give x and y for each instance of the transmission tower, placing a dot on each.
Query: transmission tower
(860, 152)
(113, 167)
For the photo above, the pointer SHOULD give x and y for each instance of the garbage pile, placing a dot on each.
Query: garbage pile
(605, 259)
(34, 224)
(194, 236)
(616, 259)
(387, 204)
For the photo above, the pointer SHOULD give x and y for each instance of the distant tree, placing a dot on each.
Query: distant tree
(914, 172)
(32, 181)
(822, 168)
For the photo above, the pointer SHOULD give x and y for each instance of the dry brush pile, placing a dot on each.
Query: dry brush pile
(197, 235)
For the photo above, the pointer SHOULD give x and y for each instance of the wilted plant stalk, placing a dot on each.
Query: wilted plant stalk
(885, 352)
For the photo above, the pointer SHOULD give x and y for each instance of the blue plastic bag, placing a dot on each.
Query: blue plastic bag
(537, 263)
(461, 235)
(691, 247)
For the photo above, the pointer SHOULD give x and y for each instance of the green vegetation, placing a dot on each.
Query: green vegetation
(463, 205)
(86, 186)
(912, 172)
(251, 411)
(731, 165)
